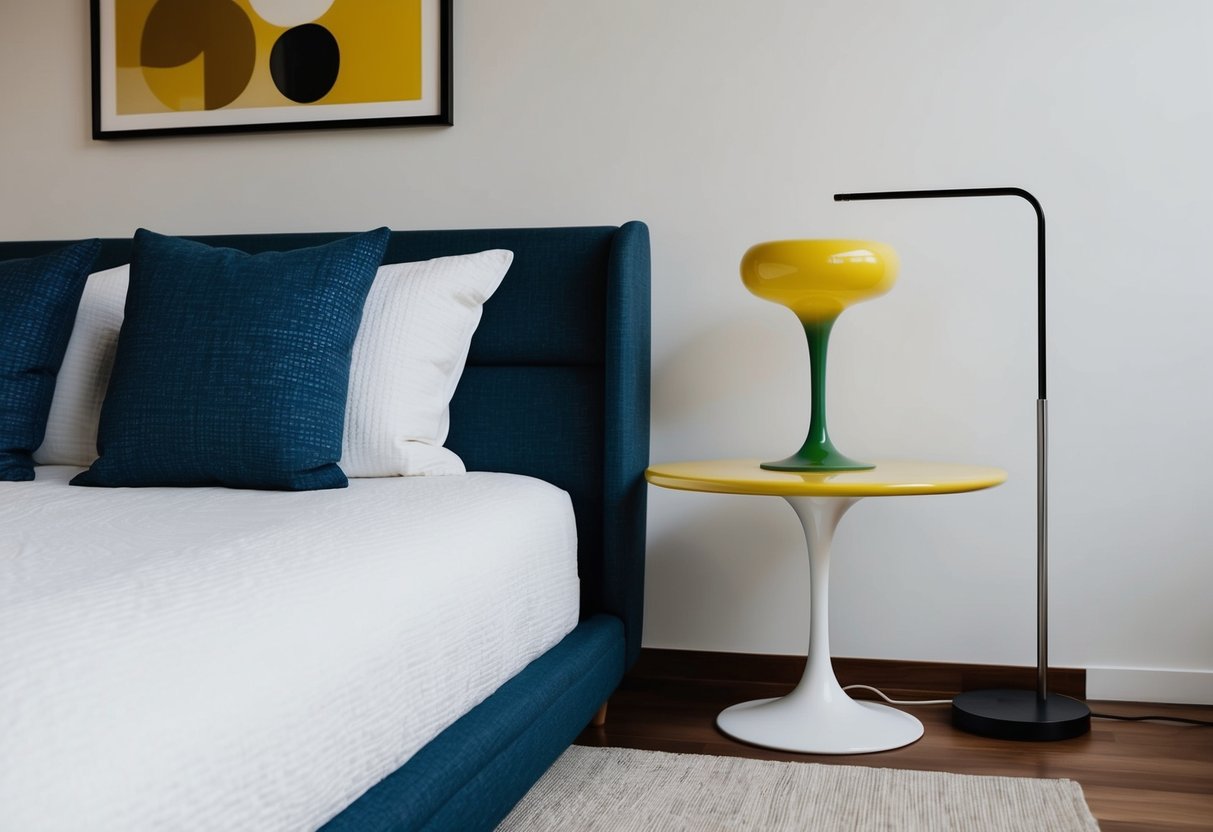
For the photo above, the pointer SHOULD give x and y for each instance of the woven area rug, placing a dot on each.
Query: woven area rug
(624, 790)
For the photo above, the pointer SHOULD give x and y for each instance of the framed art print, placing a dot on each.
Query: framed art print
(209, 66)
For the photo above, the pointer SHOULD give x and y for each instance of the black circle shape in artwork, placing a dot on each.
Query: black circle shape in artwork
(304, 63)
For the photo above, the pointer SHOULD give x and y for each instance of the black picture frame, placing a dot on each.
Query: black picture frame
(434, 108)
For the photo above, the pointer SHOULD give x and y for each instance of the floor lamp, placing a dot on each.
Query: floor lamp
(1018, 714)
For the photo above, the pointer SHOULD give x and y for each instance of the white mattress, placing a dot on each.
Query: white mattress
(207, 659)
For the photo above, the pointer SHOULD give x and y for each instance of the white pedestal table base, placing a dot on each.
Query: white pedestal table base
(818, 717)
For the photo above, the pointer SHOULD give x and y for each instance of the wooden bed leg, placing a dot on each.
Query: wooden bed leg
(600, 718)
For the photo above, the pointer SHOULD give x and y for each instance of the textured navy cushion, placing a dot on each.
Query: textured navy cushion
(38, 301)
(232, 369)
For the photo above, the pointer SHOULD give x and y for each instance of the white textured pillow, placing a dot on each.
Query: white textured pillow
(71, 427)
(417, 326)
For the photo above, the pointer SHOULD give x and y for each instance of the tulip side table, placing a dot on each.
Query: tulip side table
(818, 717)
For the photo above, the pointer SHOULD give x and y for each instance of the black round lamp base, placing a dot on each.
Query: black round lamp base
(1020, 715)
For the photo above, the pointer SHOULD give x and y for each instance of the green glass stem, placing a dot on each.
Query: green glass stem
(818, 452)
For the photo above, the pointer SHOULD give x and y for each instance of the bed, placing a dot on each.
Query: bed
(551, 414)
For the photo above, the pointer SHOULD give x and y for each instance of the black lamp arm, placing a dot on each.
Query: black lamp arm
(1040, 246)
(1042, 534)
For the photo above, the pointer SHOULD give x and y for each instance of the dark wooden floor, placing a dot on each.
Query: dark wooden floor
(1136, 775)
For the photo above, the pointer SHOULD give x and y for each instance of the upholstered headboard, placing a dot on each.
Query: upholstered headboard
(557, 382)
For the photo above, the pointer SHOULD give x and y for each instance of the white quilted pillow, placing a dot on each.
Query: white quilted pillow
(71, 426)
(417, 326)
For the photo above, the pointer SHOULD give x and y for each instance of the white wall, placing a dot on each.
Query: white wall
(725, 123)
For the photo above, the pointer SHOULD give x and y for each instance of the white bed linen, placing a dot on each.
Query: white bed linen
(214, 659)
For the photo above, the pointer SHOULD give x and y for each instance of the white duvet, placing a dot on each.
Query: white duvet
(215, 659)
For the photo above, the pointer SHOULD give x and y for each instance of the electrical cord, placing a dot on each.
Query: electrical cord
(1158, 717)
(900, 701)
(1094, 715)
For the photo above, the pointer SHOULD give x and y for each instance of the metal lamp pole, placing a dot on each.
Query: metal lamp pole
(1003, 713)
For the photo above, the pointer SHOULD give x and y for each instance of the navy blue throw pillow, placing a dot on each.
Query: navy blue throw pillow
(231, 368)
(38, 301)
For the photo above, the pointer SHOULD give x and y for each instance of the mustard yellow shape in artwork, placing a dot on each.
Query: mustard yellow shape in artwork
(380, 50)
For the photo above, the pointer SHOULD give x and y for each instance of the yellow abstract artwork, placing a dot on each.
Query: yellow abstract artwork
(208, 56)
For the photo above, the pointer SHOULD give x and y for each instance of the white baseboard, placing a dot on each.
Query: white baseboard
(1131, 684)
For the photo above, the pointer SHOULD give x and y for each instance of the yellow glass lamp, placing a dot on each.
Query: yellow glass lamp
(817, 280)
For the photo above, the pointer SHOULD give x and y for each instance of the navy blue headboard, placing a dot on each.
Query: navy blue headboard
(557, 382)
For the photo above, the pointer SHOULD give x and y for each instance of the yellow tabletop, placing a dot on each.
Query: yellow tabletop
(888, 478)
